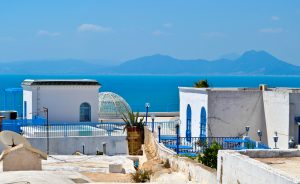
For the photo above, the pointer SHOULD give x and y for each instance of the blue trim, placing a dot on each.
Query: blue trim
(203, 123)
(188, 131)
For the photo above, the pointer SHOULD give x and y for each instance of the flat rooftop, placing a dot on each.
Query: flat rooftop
(85, 82)
(286, 165)
(232, 89)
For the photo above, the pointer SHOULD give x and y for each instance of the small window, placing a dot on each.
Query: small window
(85, 112)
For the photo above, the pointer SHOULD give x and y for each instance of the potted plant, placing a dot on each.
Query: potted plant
(135, 132)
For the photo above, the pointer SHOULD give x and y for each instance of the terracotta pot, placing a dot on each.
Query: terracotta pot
(134, 137)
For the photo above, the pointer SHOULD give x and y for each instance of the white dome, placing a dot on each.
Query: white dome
(112, 106)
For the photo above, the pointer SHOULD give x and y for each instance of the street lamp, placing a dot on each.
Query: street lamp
(147, 105)
(47, 112)
(152, 117)
(259, 133)
(292, 142)
(159, 128)
(247, 130)
(275, 138)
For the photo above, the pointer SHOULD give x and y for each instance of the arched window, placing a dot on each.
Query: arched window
(188, 131)
(203, 123)
(85, 112)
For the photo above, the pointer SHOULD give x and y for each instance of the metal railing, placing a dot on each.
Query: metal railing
(198, 144)
(74, 129)
(194, 145)
(38, 128)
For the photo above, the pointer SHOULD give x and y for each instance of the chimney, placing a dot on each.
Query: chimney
(263, 87)
(1, 118)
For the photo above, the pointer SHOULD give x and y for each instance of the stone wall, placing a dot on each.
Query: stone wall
(197, 172)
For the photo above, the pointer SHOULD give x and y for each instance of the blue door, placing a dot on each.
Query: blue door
(203, 123)
(188, 131)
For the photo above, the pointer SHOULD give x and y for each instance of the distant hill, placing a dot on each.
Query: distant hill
(250, 63)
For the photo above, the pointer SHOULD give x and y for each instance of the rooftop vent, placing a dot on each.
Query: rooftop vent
(263, 87)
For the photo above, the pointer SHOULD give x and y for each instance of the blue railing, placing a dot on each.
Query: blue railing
(74, 129)
(15, 125)
(194, 145)
(38, 128)
(197, 144)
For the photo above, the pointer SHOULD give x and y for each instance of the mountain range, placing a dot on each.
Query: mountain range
(249, 63)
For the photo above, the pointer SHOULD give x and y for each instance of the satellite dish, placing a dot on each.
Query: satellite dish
(11, 139)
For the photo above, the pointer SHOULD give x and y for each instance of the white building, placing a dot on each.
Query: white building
(66, 100)
(218, 112)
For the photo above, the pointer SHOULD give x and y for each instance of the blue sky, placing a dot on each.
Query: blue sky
(116, 31)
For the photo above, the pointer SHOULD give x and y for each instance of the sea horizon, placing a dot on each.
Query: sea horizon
(160, 91)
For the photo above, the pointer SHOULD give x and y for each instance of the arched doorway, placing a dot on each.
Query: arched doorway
(203, 122)
(85, 112)
(188, 132)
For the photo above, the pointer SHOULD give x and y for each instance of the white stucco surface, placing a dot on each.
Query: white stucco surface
(230, 110)
(196, 99)
(115, 145)
(62, 101)
(245, 167)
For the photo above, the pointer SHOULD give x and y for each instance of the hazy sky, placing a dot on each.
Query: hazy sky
(118, 30)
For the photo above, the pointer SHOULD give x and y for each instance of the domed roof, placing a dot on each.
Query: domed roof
(112, 106)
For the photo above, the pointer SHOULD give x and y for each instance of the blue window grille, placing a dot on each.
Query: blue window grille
(188, 131)
(203, 122)
(85, 112)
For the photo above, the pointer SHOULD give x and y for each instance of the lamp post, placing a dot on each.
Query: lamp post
(47, 112)
(159, 128)
(147, 105)
(177, 138)
(83, 148)
(292, 142)
(247, 130)
(275, 138)
(259, 133)
(152, 117)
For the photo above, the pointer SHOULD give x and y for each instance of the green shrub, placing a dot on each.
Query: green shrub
(210, 155)
(201, 84)
(141, 176)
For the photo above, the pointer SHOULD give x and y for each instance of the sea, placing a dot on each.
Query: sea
(160, 91)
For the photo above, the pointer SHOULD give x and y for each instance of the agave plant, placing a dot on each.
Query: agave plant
(131, 119)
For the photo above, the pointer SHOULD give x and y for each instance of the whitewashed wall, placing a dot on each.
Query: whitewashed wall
(115, 145)
(63, 102)
(234, 167)
(230, 111)
(276, 104)
(196, 98)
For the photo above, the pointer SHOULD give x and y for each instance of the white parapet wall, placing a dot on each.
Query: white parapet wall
(246, 167)
(112, 145)
(197, 172)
